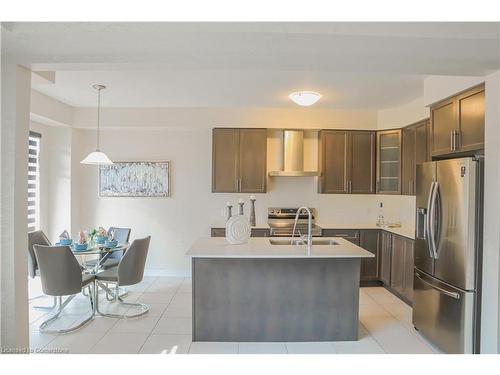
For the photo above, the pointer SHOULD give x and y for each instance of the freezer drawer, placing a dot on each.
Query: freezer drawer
(443, 314)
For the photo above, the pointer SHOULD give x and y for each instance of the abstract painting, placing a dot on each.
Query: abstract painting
(135, 179)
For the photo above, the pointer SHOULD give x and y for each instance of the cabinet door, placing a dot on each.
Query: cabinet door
(385, 257)
(408, 269)
(389, 162)
(253, 160)
(422, 152)
(369, 240)
(471, 120)
(225, 160)
(361, 174)
(333, 162)
(443, 124)
(409, 148)
(398, 264)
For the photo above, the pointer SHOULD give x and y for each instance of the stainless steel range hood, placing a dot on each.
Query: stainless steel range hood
(293, 156)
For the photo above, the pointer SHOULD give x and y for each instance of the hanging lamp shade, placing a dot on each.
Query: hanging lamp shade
(97, 157)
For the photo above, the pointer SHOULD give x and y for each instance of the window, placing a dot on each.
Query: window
(34, 181)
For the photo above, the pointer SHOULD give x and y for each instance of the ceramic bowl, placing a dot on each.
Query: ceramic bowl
(101, 239)
(80, 246)
(65, 241)
(111, 243)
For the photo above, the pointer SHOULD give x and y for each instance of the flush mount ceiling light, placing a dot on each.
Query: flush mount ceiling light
(304, 98)
(97, 157)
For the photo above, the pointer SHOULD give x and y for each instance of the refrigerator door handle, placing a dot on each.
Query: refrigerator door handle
(432, 218)
(441, 290)
(427, 230)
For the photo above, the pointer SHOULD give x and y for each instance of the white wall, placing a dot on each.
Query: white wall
(491, 248)
(403, 115)
(13, 236)
(206, 118)
(176, 222)
(437, 88)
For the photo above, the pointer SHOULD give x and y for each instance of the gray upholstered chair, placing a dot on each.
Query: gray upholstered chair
(37, 238)
(130, 271)
(61, 275)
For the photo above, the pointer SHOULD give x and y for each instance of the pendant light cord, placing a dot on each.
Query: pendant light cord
(98, 113)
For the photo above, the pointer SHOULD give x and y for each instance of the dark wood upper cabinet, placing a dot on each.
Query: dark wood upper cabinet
(225, 160)
(361, 174)
(253, 160)
(457, 123)
(389, 162)
(415, 151)
(332, 158)
(471, 120)
(239, 160)
(346, 162)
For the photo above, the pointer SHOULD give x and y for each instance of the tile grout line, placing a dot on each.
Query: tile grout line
(156, 324)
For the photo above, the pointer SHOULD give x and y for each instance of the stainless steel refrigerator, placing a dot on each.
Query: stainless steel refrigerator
(448, 253)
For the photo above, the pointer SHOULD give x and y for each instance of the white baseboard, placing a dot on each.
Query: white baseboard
(166, 273)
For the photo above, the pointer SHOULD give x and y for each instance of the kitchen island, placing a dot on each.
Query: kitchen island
(270, 290)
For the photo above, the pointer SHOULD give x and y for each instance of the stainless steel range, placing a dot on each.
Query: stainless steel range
(281, 222)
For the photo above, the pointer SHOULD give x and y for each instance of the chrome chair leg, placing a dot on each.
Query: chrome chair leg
(43, 327)
(118, 298)
(111, 296)
(53, 306)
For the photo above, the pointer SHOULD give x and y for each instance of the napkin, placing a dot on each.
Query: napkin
(111, 235)
(82, 237)
(102, 232)
(64, 236)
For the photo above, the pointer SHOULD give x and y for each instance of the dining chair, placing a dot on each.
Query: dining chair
(37, 238)
(62, 276)
(130, 271)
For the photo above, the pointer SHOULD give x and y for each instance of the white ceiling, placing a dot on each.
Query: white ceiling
(354, 65)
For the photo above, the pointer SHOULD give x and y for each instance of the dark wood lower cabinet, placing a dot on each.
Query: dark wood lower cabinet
(369, 240)
(402, 267)
(393, 262)
(385, 257)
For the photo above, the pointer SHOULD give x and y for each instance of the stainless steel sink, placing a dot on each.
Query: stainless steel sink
(282, 241)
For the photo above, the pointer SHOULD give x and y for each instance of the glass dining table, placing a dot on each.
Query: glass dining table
(101, 251)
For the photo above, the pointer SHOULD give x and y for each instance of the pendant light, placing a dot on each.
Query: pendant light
(97, 157)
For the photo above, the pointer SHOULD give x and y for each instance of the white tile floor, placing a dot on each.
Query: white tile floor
(385, 326)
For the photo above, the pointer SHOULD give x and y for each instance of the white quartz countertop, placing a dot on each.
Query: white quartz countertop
(404, 230)
(261, 247)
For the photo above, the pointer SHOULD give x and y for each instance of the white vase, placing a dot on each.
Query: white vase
(238, 230)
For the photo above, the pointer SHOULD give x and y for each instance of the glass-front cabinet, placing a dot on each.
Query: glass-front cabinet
(389, 162)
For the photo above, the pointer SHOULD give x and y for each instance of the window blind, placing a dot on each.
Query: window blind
(34, 181)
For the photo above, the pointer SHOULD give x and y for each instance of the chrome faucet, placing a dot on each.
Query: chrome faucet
(309, 228)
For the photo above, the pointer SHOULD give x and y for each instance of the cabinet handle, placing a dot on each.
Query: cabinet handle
(457, 139)
(452, 140)
(239, 185)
